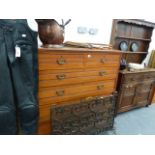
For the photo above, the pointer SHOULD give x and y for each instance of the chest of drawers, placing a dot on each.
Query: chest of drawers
(136, 89)
(74, 74)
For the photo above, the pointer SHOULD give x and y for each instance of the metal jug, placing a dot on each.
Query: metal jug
(51, 32)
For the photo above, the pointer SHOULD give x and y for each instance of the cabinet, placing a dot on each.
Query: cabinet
(136, 89)
(68, 75)
(132, 31)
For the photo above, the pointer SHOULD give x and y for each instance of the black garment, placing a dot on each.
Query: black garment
(18, 78)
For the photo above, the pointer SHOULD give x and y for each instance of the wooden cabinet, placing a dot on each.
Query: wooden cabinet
(132, 31)
(136, 89)
(73, 74)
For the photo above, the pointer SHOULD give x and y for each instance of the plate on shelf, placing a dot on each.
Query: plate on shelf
(134, 47)
(123, 46)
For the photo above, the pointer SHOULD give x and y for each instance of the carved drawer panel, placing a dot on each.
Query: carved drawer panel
(139, 77)
(81, 118)
(126, 101)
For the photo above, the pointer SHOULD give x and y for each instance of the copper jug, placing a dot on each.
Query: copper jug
(51, 32)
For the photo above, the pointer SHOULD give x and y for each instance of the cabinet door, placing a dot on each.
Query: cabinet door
(142, 93)
(125, 98)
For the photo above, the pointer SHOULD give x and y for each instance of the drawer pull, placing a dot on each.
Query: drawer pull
(61, 61)
(103, 60)
(60, 92)
(99, 87)
(61, 77)
(102, 73)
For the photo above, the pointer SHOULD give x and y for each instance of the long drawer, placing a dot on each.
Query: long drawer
(72, 61)
(64, 93)
(65, 78)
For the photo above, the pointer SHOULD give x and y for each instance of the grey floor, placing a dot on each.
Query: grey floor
(139, 121)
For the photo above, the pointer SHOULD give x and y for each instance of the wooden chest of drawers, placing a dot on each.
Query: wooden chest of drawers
(136, 89)
(72, 74)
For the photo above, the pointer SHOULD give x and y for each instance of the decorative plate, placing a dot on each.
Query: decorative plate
(134, 47)
(123, 46)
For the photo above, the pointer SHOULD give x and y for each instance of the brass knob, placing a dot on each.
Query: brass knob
(102, 73)
(99, 87)
(103, 60)
(61, 76)
(61, 61)
(60, 92)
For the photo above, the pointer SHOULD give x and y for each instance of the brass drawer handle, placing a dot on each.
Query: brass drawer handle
(102, 73)
(60, 92)
(61, 61)
(61, 76)
(103, 60)
(99, 87)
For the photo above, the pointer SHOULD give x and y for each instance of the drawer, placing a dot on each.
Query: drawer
(60, 61)
(100, 60)
(132, 78)
(64, 78)
(138, 77)
(59, 94)
(149, 76)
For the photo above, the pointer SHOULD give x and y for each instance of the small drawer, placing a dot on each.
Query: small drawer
(60, 61)
(100, 60)
(132, 78)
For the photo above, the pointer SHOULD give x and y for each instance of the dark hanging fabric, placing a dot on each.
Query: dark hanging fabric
(18, 78)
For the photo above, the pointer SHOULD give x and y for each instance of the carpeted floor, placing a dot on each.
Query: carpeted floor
(139, 121)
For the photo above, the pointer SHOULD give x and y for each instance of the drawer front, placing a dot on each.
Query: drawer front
(60, 61)
(59, 94)
(138, 77)
(100, 60)
(64, 78)
(75, 61)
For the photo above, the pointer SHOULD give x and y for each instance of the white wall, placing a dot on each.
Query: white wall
(103, 30)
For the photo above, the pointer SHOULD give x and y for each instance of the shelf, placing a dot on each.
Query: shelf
(130, 52)
(133, 38)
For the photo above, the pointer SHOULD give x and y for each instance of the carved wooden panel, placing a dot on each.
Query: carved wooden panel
(84, 118)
